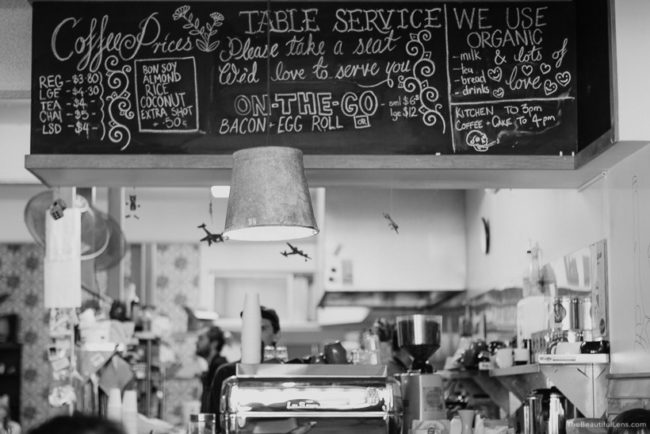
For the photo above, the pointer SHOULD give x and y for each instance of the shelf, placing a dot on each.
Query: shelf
(551, 359)
(515, 370)
(582, 378)
(403, 171)
(490, 386)
(520, 380)
(572, 359)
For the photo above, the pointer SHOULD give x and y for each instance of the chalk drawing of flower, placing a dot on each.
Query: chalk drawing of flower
(181, 12)
(203, 33)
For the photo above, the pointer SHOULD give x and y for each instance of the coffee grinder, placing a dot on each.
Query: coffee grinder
(422, 390)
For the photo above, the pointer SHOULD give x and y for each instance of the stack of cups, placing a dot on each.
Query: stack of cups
(130, 412)
(251, 334)
(114, 405)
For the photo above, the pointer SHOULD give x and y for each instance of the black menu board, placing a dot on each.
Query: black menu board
(326, 77)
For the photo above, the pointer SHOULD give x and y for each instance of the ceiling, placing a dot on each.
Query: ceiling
(15, 48)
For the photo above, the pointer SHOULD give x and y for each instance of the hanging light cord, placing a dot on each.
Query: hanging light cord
(268, 72)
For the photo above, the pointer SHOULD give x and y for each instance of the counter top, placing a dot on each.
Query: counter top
(272, 370)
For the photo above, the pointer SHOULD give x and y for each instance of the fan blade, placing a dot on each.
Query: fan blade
(116, 248)
(95, 234)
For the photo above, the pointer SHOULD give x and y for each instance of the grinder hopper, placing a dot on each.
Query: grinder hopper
(420, 336)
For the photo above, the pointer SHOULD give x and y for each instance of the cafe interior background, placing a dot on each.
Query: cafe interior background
(439, 251)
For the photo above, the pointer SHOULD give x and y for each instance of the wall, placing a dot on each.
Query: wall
(616, 208)
(21, 268)
(261, 264)
(14, 130)
(176, 268)
(632, 64)
(16, 37)
(428, 253)
(560, 221)
(629, 258)
(13, 199)
(15, 50)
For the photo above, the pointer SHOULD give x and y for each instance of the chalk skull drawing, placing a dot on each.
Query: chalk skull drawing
(478, 140)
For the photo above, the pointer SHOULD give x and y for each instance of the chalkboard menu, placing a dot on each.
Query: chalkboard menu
(329, 78)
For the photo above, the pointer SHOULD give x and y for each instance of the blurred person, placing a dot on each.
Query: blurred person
(7, 426)
(209, 346)
(232, 348)
(270, 326)
(78, 424)
(270, 334)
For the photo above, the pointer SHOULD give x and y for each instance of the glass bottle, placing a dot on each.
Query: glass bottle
(532, 275)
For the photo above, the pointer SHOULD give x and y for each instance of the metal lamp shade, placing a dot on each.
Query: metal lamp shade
(269, 197)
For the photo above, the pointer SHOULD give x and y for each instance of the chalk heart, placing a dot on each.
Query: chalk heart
(527, 69)
(545, 68)
(498, 93)
(563, 78)
(495, 73)
(550, 87)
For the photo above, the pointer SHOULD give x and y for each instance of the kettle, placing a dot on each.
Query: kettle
(546, 412)
(335, 353)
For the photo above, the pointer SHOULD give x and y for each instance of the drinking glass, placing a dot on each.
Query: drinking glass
(281, 353)
(202, 423)
(269, 353)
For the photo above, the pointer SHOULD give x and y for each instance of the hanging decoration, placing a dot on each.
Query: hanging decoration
(210, 210)
(210, 237)
(295, 251)
(133, 206)
(57, 208)
(391, 223)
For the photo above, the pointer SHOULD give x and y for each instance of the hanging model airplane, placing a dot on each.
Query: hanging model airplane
(391, 223)
(210, 237)
(295, 251)
(133, 206)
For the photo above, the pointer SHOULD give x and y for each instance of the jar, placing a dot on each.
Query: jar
(484, 361)
(522, 354)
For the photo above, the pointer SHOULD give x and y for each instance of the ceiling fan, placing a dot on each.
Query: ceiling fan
(102, 240)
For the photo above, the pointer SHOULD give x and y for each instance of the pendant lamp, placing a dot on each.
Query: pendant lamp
(269, 197)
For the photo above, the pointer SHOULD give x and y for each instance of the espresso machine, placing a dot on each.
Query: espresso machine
(422, 390)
